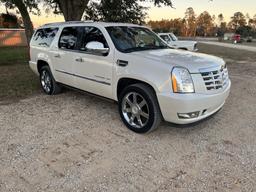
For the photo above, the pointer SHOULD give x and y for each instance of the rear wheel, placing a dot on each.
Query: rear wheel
(139, 109)
(48, 84)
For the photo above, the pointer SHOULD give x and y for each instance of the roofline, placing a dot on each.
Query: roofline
(68, 22)
(84, 22)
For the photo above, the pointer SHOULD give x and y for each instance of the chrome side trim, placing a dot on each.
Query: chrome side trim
(82, 77)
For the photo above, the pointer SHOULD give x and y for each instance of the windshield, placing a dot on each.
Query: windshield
(130, 39)
(166, 38)
(173, 37)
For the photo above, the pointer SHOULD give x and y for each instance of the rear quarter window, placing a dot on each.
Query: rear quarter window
(44, 37)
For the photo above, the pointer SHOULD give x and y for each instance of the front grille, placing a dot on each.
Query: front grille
(217, 79)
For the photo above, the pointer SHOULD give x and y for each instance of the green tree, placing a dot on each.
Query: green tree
(190, 19)
(24, 7)
(245, 31)
(220, 18)
(9, 21)
(74, 9)
(116, 11)
(237, 20)
(252, 22)
(205, 24)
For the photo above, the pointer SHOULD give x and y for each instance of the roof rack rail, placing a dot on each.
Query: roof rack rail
(69, 22)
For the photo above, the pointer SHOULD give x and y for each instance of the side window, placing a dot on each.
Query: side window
(92, 34)
(44, 37)
(69, 38)
(165, 38)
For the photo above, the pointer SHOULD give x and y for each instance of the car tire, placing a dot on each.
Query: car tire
(139, 109)
(47, 81)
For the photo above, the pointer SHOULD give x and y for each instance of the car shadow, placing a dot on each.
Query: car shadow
(164, 128)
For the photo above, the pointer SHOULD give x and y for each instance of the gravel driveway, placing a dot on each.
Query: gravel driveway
(75, 142)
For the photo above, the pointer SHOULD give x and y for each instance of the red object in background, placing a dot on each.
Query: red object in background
(236, 38)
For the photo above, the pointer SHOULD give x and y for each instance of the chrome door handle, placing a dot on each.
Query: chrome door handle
(79, 59)
(122, 63)
(57, 56)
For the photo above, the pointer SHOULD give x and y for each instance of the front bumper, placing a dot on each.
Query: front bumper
(172, 104)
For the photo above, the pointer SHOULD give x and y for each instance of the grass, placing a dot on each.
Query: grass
(16, 79)
(13, 55)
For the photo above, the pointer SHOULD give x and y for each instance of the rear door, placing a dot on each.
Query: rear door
(41, 42)
(63, 55)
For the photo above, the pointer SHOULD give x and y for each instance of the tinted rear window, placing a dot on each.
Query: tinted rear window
(44, 37)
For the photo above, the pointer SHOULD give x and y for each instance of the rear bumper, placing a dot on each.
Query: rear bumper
(33, 67)
(173, 104)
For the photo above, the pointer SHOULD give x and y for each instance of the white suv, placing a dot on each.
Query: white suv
(133, 66)
(175, 43)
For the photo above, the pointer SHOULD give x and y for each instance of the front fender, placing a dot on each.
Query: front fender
(143, 68)
(159, 86)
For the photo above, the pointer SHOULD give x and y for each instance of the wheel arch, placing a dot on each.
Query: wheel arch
(41, 63)
(127, 81)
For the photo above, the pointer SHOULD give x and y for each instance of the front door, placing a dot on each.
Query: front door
(93, 71)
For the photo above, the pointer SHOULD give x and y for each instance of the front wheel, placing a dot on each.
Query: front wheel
(139, 109)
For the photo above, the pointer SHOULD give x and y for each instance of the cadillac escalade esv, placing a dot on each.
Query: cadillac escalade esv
(132, 65)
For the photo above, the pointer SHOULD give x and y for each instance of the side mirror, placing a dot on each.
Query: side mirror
(97, 47)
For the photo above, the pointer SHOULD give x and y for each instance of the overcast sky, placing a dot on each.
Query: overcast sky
(227, 7)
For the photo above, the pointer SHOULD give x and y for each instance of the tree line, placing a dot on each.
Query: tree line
(207, 25)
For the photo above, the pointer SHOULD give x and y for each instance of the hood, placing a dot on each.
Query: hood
(194, 62)
(183, 43)
(188, 42)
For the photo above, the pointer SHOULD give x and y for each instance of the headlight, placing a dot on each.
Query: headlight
(182, 81)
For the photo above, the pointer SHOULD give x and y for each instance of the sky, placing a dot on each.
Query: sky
(226, 7)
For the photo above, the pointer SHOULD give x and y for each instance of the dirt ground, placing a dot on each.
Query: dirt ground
(75, 142)
(241, 46)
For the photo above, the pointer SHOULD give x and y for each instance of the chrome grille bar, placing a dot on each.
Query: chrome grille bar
(216, 79)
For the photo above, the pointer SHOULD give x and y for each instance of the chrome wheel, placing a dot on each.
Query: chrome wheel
(135, 110)
(46, 81)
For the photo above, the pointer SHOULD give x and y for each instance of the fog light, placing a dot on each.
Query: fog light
(188, 115)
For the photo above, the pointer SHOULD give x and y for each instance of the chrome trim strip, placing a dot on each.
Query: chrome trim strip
(82, 77)
(209, 69)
